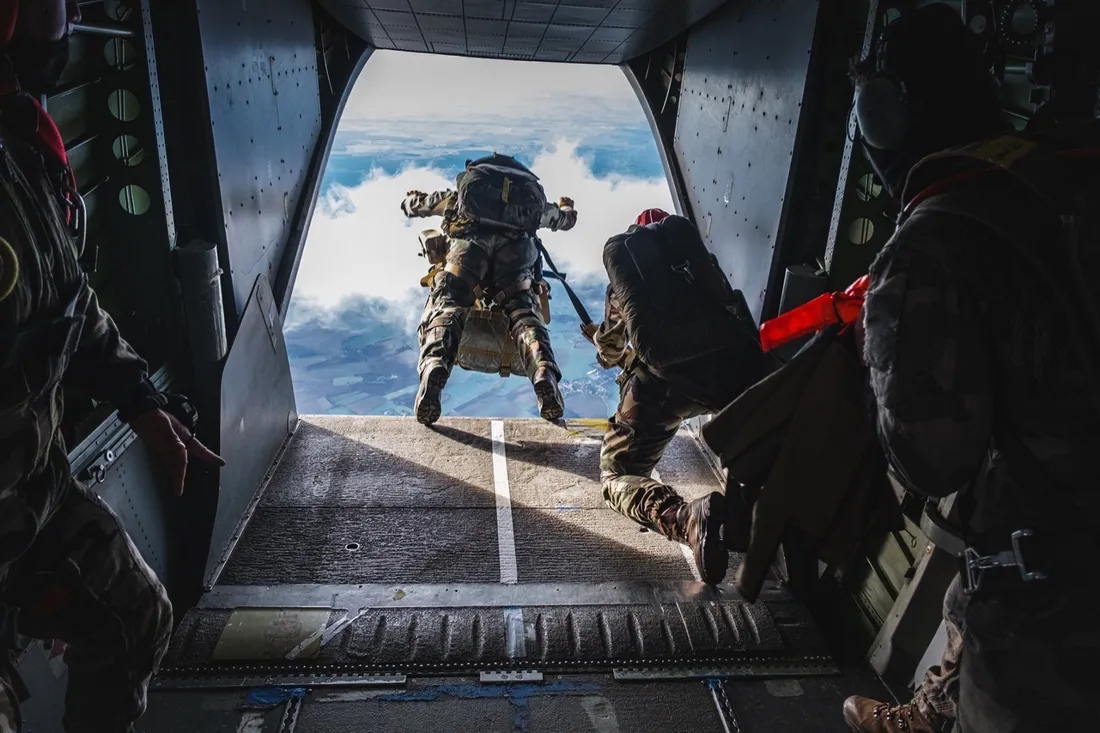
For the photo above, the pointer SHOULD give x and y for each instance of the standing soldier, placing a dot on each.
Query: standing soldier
(983, 345)
(68, 570)
(491, 219)
(688, 347)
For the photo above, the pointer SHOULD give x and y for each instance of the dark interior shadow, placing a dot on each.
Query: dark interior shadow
(486, 444)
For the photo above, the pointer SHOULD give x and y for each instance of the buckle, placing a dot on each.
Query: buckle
(975, 565)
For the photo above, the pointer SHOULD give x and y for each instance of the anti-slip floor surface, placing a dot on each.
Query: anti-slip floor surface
(389, 567)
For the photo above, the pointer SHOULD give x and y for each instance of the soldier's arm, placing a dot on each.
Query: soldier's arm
(418, 203)
(930, 369)
(107, 368)
(560, 216)
(610, 337)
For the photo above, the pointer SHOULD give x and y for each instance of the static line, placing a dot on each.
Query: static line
(684, 549)
(514, 627)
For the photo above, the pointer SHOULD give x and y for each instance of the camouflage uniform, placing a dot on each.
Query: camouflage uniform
(503, 266)
(651, 408)
(977, 392)
(67, 568)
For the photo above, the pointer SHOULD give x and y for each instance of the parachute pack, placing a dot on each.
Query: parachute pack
(498, 190)
(675, 299)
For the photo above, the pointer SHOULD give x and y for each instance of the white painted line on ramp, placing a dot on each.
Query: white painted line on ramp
(506, 540)
(514, 628)
(684, 549)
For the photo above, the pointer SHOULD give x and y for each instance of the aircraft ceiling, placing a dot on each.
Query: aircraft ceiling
(582, 31)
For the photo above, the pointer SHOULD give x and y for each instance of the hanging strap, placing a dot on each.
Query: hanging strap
(556, 275)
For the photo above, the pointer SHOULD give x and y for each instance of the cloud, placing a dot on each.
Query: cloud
(361, 245)
(407, 86)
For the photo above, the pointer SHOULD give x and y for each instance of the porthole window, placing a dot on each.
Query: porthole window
(134, 199)
(118, 9)
(119, 53)
(123, 105)
(868, 188)
(128, 150)
(861, 231)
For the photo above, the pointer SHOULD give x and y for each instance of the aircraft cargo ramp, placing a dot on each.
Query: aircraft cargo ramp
(468, 577)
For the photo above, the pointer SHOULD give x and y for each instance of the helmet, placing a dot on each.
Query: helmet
(650, 216)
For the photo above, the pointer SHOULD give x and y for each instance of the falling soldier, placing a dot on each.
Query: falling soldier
(490, 220)
(687, 346)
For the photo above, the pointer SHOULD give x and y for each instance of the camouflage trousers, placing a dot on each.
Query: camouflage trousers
(83, 582)
(1029, 660)
(649, 415)
(1023, 662)
(938, 694)
(495, 264)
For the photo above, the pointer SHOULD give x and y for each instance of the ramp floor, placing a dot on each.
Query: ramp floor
(469, 577)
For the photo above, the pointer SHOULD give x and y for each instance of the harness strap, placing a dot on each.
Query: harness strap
(517, 287)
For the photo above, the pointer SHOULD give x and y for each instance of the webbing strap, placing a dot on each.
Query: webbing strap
(577, 304)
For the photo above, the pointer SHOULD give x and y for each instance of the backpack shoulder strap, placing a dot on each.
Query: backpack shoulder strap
(1036, 162)
(1057, 268)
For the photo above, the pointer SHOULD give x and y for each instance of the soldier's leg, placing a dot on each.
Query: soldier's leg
(513, 269)
(85, 583)
(440, 330)
(1029, 660)
(933, 708)
(647, 419)
(939, 691)
(10, 719)
(636, 438)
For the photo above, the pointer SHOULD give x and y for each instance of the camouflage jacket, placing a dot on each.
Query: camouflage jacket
(973, 380)
(52, 330)
(442, 203)
(610, 338)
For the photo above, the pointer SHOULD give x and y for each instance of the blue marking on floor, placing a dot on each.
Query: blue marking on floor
(517, 695)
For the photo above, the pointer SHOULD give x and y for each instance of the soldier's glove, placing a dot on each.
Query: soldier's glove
(589, 331)
(406, 205)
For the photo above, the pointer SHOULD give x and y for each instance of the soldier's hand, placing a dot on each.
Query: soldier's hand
(565, 201)
(174, 443)
(589, 331)
(406, 205)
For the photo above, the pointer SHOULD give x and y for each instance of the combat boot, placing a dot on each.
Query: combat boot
(428, 405)
(699, 524)
(865, 715)
(551, 403)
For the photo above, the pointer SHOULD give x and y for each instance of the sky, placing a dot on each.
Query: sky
(579, 127)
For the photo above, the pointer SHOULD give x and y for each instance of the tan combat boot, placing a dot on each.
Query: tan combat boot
(429, 398)
(699, 524)
(864, 715)
(551, 403)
